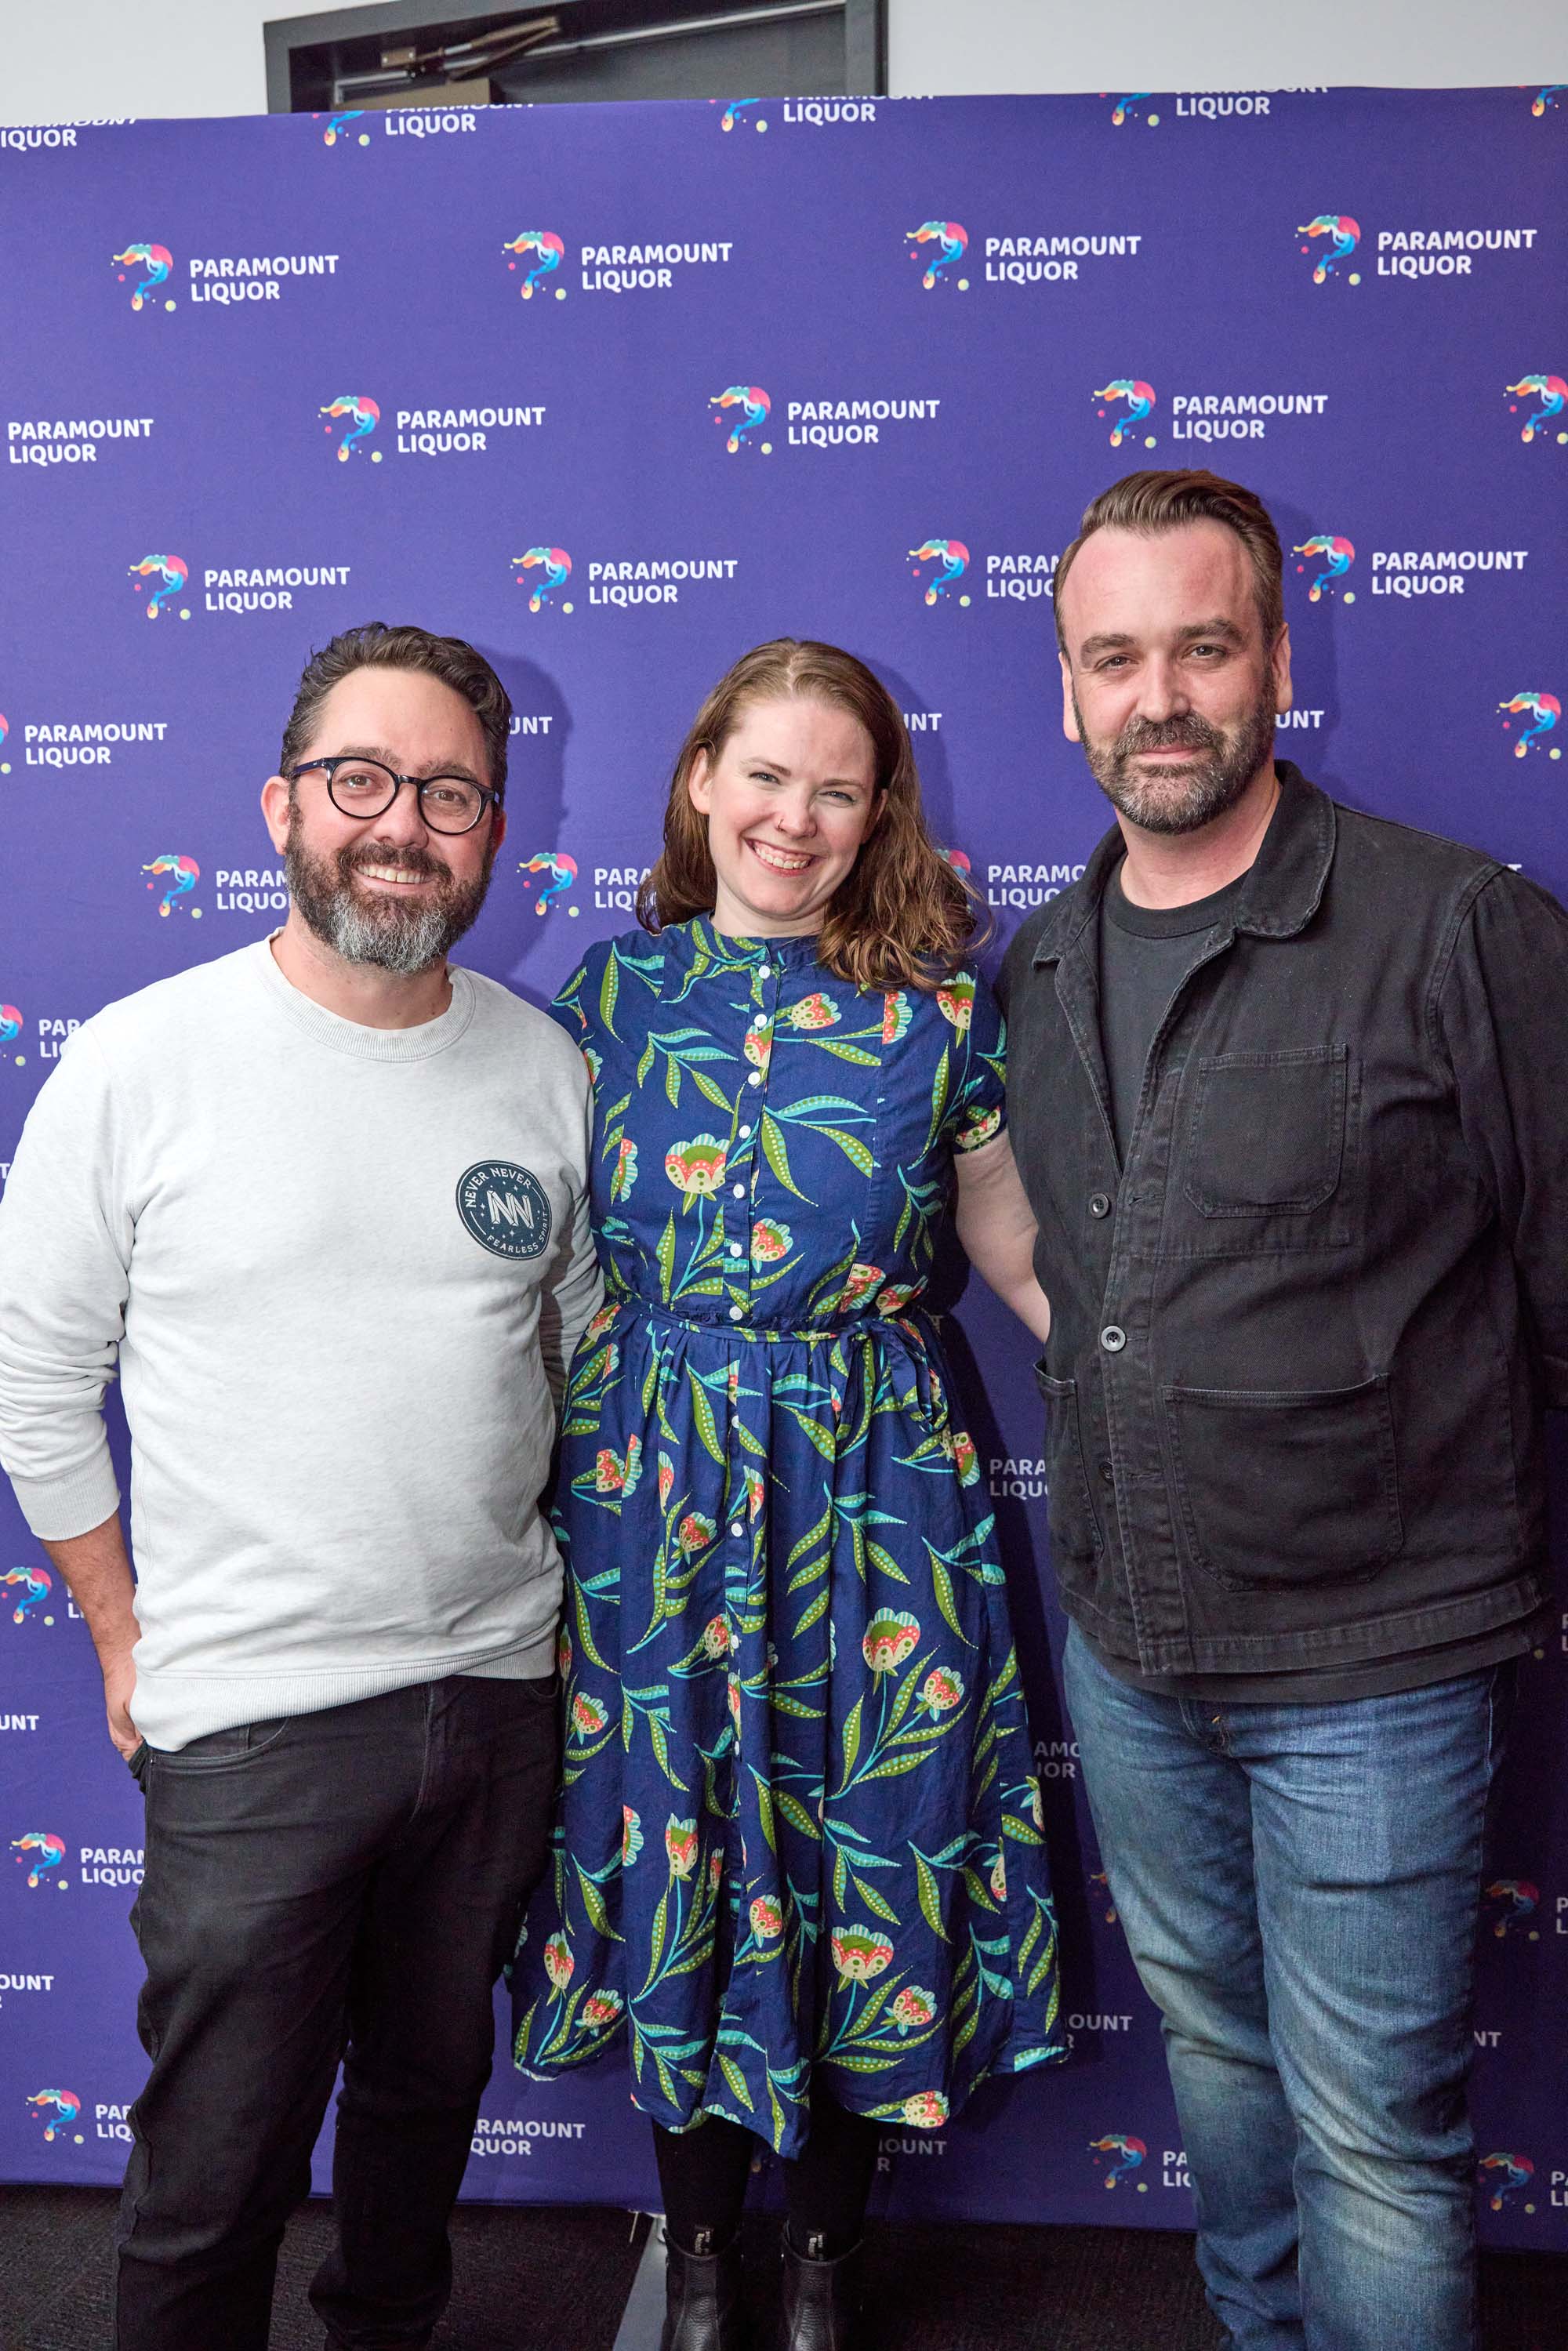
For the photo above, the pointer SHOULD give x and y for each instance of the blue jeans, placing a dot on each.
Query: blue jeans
(1300, 1885)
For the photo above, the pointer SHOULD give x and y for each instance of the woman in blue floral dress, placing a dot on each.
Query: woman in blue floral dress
(799, 1860)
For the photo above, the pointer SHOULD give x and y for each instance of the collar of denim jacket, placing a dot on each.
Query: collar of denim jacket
(1282, 890)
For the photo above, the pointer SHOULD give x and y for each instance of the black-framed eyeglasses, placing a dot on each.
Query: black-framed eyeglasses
(363, 787)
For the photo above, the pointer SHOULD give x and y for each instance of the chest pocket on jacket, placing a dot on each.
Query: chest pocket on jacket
(1269, 1139)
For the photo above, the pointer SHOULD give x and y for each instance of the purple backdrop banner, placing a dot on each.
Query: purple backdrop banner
(616, 392)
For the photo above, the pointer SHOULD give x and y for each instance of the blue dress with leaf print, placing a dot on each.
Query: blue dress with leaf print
(799, 1836)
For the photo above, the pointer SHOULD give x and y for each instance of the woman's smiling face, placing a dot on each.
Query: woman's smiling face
(789, 799)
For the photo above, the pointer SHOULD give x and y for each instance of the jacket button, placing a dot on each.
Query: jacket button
(1099, 1204)
(1112, 1338)
(1108, 1474)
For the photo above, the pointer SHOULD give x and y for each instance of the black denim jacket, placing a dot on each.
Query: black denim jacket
(1301, 1341)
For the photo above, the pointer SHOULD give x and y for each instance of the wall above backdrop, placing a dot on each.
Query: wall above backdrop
(405, 51)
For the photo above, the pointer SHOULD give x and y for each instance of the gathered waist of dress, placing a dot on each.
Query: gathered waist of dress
(907, 1323)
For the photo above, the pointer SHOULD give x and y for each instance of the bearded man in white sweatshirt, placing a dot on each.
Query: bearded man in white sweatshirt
(325, 1199)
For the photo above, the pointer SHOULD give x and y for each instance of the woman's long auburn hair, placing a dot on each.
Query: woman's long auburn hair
(903, 917)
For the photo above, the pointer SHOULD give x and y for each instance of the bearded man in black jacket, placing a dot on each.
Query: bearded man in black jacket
(1288, 1091)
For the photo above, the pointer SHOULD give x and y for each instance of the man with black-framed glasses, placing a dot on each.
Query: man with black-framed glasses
(343, 1264)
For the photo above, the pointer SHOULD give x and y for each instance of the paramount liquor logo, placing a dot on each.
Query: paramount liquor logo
(338, 128)
(1336, 555)
(172, 571)
(1140, 399)
(1546, 397)
(231, 277)
(1123, 2158)
(1438, 570)
(84, 743)
(755, 408)
(41, 1852)
(69, 440)
(951, 242)
(178, 877)
(1344, 236)
(560, 873)
(825, 421)
(1239, 415)
(952, 557)
(646, 268)
(1545, 712)
(265, 587)
(540, 253)
(150, 265)
(1405, 252)
(1055, 257)
(359, 418)
(622, 580)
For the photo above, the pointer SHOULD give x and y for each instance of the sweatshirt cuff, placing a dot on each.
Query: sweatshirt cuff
(57, 1509)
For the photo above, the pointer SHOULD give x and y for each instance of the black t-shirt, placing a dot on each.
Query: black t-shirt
(1144, 951)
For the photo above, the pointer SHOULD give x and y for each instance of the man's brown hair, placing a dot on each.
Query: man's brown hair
(377, 646)
(1152, 502)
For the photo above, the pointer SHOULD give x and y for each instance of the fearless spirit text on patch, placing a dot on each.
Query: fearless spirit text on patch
(504, 1207)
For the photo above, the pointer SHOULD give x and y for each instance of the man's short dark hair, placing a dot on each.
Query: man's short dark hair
(377, 646)
(1152, 502)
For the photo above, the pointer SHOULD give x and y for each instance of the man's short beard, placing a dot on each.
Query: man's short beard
(405, 939)
(1190, 794)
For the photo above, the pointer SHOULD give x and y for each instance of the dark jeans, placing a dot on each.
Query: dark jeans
(341, 1885)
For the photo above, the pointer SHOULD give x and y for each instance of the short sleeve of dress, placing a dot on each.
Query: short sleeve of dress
(577, 1005)
(977, 1110)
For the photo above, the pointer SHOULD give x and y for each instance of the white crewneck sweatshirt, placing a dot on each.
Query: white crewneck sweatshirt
(343, 1268)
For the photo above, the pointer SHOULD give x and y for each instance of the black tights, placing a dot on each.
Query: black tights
(702, 2173)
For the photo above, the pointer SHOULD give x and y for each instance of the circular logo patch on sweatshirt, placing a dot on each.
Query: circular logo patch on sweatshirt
(504, 1207)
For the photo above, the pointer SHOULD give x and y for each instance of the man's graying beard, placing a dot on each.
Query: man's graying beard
(402, 938)
(1179, 799)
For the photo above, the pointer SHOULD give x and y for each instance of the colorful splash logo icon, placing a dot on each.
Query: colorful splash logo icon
(1337, 555)
(363, 416)
(337, 124)
(1553, 394)
(551, 253)
(952, 555)
(10, 1025)
(34, 1583)
(734, 108)
(47, 1852)
(1345, 235)
(56, 2110)
(954, 242)
(756, 408)
(1545, 709)
(1130, 2154)
(1509, 2175)
(556, 565)
(563, 873)
(152, 264)
(1547, 97)
(180, 875)
(1140, 399)
(1122, 111)
(172, 570)
(957, 858)
(1515, 1900)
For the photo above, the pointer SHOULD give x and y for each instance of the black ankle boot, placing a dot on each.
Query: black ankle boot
(821, 2302)
(702, 2299)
